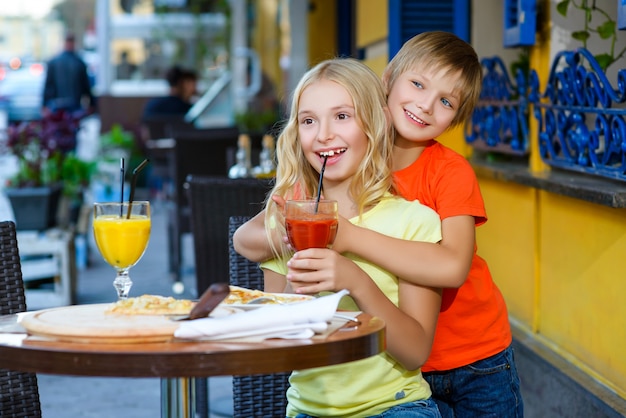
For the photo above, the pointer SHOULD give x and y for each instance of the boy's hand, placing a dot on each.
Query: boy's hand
(342, 241)
(319, 269)
(280, 203)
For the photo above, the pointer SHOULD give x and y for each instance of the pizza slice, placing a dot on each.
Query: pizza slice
(151, 305)
(242, 296)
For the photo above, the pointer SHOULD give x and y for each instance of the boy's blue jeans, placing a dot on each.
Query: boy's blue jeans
(486, 388)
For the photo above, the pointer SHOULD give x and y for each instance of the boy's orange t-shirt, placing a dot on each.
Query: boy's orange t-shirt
(473, 323)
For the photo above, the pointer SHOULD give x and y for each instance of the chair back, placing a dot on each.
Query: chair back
(259, 395)
(161, 126)
(19, 392)
(208, 152)
(213, 199)
(197, 152)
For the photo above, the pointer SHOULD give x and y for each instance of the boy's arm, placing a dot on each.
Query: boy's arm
(438, 265)
(250, 239)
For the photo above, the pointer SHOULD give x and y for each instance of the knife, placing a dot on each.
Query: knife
(211, 297)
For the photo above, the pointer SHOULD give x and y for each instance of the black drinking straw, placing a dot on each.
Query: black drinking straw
(319, 186)
(121, 187)
(133, 183)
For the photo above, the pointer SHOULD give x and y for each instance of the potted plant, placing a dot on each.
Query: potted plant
(118, 142)
(76, 177)
(41, 148)
(115, 144)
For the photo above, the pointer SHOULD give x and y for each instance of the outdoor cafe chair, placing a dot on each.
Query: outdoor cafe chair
(259, 395)
(19, 391)
(200, 152)
(213, 199)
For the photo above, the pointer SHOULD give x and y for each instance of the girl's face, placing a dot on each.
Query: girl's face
(422, 104)
(327, 125)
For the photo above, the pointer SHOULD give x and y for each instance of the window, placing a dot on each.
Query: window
(407, 18)
(519, 22)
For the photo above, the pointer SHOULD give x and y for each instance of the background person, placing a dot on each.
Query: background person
(125, 69)
(67, 86)
(182, 87)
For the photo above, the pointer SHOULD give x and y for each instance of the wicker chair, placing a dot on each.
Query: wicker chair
(213, 199)
(19, 392)
(261, 395)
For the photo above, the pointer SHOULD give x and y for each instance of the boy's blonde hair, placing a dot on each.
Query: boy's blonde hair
(297, 179)
(446, 52)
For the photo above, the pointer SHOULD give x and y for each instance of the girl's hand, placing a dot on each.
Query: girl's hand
(319, 269)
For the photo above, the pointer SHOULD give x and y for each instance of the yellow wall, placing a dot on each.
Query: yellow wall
(582, 284)
(371, 22)
(511, 220)
(266, 39)
(322, 30)
(573, 303)
(371, 32)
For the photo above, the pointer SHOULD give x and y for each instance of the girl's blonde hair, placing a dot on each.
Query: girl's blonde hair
(297, 179)
(440, 51)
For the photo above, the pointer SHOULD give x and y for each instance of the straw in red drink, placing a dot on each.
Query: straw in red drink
(319, 187)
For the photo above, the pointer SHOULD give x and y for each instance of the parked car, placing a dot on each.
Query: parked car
(22, 92)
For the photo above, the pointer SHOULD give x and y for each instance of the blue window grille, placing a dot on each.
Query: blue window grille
(580, 129)
(519, 22)
(500, 119)
(408, 18)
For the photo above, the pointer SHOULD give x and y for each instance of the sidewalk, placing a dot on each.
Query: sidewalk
(68, 397)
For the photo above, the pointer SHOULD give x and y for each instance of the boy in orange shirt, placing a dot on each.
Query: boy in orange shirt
(432, 84)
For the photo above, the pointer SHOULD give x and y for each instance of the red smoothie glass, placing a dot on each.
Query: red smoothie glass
(311, 224)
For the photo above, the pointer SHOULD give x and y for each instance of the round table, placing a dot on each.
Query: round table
(177, 361)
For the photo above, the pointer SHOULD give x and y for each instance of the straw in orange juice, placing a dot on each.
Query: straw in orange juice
(121, 241)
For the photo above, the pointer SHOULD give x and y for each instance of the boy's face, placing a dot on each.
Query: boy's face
(422, 104)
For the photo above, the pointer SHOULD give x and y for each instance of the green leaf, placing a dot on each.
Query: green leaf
(604, 60)
(607, 29)
(581, 35)
(562, 6)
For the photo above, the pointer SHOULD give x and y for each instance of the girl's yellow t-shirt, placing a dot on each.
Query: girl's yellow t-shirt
(375, 384)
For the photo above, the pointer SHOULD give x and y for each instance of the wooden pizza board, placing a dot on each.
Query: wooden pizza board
(90, 323)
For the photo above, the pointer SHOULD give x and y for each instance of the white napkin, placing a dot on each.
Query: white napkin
(294, 320)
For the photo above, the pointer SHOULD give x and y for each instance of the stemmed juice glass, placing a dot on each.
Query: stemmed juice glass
(122, 236)
(311, 223)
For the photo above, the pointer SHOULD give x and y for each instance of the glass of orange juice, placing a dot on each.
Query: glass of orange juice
(122, 231)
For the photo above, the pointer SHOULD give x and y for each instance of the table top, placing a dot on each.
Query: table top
(179, 358)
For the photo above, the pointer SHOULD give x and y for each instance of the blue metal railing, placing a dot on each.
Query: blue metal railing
(580, 127)
(500, 119)
(580, 114)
